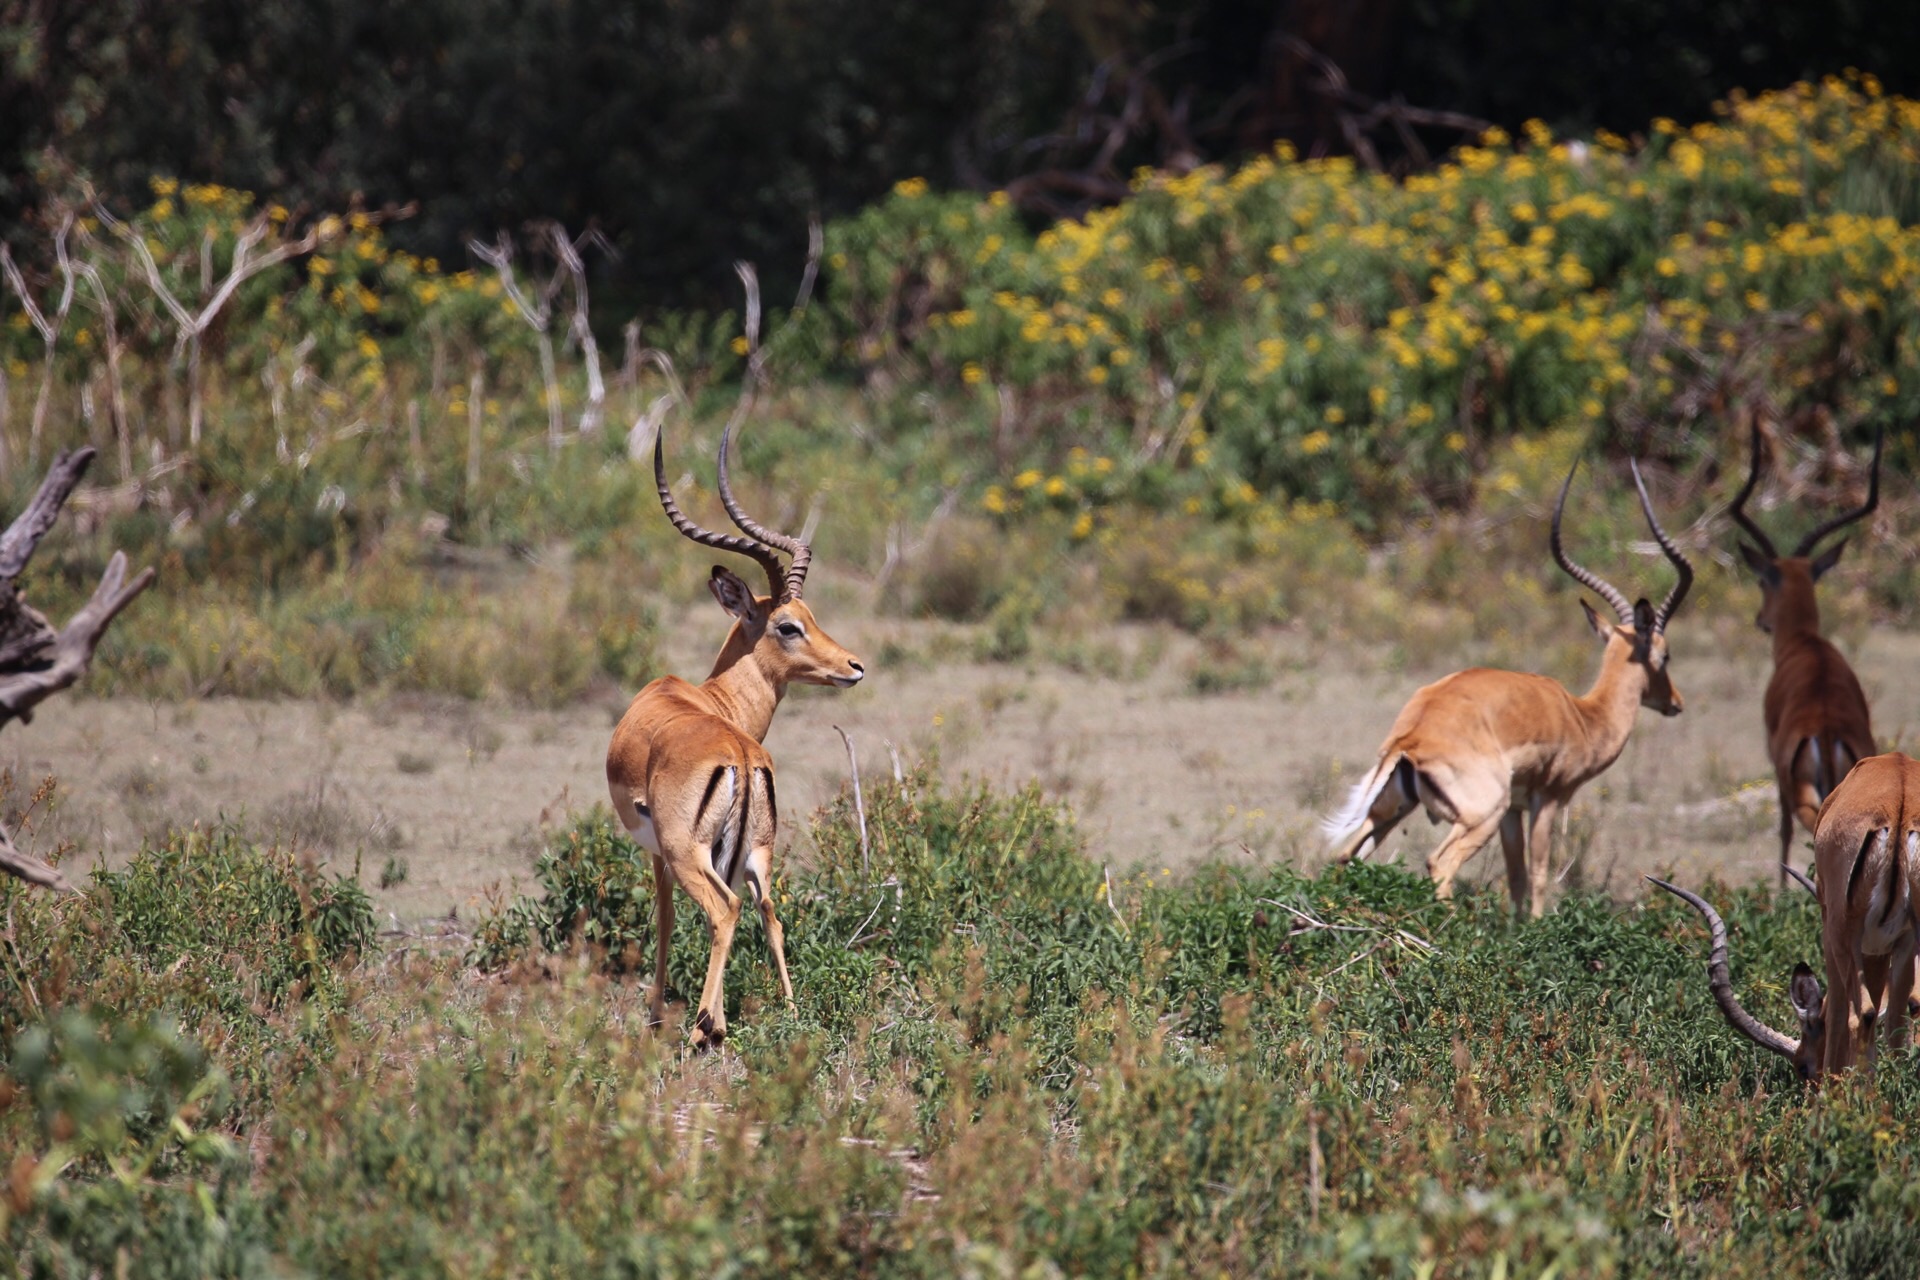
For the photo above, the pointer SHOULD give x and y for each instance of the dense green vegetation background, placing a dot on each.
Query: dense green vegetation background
(694, 134)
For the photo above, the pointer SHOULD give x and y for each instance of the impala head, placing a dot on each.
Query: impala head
(782, 636)
(1791, 577)
(777, 631)
(1639, 628)
(1806, 1053)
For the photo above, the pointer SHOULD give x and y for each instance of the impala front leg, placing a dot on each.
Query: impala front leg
(1513, 847)
(1899, 1014)
(1539, 851)
(662, 939)
(759, 884)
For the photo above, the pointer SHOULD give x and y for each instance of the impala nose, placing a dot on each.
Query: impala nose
(854, 674)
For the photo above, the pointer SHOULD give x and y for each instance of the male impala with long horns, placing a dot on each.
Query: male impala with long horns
(1818, 725)
(689, 778)
(1501, 752)
(1867, 851)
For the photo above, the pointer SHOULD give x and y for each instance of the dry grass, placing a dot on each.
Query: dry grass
(1155, 773)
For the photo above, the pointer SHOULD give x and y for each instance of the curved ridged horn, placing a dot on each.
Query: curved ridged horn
(796, 574)
(764, 555)
(1840, 522)
(1738, 509)
(1671, 604)
(1585, 577)
(1801, 876)
(1721, 982)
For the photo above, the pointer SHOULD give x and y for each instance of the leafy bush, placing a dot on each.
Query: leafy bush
(1319, 333)
(125, 1174)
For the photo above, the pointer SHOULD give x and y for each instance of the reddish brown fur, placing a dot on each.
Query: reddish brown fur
(1867, 849)
(1813, 697)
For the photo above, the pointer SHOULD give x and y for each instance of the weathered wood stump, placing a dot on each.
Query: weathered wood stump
(37, 661)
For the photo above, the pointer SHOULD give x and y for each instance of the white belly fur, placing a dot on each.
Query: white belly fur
(644, 836)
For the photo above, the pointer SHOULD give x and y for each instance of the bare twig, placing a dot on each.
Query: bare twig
(1106, 874)
(47, 326)
(37, 662)
(538, 315)
(567, 251)
(859, 805)
(189, 324)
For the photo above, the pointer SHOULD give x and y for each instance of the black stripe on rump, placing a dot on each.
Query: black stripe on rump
(1860, 861)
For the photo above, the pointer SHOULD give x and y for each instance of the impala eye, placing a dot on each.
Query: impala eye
(789, 631)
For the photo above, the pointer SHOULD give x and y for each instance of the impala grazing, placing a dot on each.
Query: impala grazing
(1867, 852)
(1488, 751)
(1818, 725)
(688, 776)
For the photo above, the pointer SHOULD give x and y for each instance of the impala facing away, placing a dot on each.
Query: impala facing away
(1818, 725)
(1490, 750)
(686, 770)
(1867, 852)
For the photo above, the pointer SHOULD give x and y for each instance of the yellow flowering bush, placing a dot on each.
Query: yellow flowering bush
(1335, 334)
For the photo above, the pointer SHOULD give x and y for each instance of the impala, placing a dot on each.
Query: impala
(688, 776)
(1491, 752)
(1818, 725)
(1867, 852)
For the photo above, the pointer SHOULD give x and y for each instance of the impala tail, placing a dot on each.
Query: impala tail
(1343, 822)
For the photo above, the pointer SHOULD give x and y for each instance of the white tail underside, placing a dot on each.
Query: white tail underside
(1343, 822)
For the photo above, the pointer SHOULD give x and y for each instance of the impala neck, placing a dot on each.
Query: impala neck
(1611, 705)
(746, 692)
(1796, 613)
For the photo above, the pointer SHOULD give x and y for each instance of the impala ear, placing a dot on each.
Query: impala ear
(1601, 628)
(1828, 558)
(1759, 563)
(734, 595)
(1805, 993)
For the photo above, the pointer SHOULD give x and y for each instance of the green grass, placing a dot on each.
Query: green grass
(1006, 1058)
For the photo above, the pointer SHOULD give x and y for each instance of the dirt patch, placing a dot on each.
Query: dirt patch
(442, 800)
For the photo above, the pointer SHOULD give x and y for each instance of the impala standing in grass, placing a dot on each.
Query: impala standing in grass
(1867, 853)
(1818, 724)
(689, 778)
(1501, 752)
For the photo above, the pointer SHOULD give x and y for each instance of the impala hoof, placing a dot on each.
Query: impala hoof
(706, 1034)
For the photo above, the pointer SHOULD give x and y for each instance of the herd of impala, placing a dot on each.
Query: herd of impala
(1488, 752)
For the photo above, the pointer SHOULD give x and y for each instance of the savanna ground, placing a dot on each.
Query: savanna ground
(464, 795)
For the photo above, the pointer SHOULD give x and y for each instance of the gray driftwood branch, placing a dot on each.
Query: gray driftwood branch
(36, 661)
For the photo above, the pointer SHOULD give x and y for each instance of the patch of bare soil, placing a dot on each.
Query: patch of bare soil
(442, 801)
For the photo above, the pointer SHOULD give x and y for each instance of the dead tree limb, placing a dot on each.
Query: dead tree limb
(37, 661)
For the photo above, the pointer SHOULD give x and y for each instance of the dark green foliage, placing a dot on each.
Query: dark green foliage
(697, 134)
(125, 1176)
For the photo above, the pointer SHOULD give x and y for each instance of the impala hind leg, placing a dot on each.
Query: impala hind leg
(1463, 841)
(722, 908)
(1394, 802)
(760, 886)
(1786, 830)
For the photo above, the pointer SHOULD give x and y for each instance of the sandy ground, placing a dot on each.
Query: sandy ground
(460, 794)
